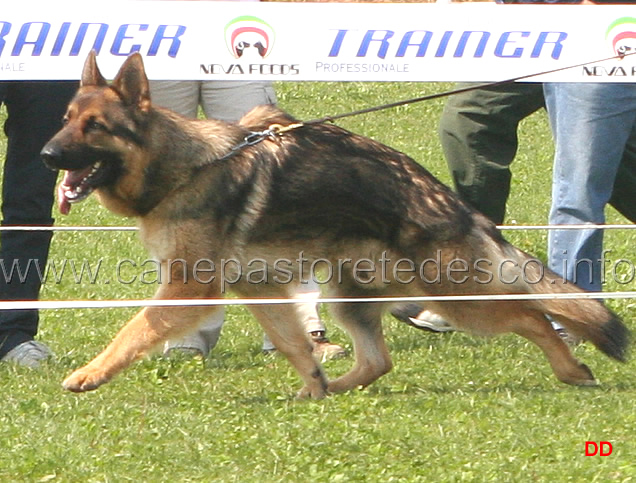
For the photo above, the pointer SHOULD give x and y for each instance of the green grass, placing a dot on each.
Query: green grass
(455, 408)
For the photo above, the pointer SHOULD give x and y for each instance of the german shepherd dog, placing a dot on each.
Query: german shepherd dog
(309, 196)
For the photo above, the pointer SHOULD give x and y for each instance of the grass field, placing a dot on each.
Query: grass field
(455, 408)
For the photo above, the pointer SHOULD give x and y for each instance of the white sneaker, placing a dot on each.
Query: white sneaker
(192, 345)
(431, 321)
(413, 315)
(571, 340)
(28, 354)
(568, 338)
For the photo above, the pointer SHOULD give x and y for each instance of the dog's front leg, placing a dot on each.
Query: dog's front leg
(147, 329)
(132, 342)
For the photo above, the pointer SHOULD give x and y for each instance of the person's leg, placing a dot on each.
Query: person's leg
(231, 100)
(227, 101)
(183, 97)
(203, 339)
(478, 132)
(624, 191)
(308, 312)
(591, 125)
(178, 96)
(35, 111)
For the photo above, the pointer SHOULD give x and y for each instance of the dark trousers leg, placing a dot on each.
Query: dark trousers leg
(34, 112)
(624, 192)
(478, 132)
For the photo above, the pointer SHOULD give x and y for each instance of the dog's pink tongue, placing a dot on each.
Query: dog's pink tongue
(62, 202)
(71, 178)
(67, 189)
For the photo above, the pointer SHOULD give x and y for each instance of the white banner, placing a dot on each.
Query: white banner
(319, 41)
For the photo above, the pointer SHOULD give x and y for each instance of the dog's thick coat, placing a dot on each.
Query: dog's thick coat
(313, 193)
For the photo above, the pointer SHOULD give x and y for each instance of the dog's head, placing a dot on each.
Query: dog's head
(101, 130)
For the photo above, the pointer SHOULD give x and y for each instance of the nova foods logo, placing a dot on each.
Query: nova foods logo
(622, 35)
(250, 41)
(249, 37)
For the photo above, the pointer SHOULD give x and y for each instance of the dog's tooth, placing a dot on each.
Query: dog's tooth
(94, 170)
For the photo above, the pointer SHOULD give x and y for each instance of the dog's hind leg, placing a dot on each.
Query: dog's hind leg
(535, 327)
(363, 322)
(283, 326)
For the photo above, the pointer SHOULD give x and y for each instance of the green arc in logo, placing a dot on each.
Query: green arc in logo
(618, 22)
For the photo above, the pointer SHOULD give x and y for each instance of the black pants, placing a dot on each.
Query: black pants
(478, 132)
(35, 110)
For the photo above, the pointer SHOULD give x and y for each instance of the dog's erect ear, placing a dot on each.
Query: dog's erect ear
(132, 84)
(91, 76)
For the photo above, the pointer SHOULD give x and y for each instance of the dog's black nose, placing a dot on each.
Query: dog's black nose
(51, 156)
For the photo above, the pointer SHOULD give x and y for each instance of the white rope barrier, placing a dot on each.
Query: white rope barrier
(102, 304)
(566, 227)
(67, 228)
(134, 228)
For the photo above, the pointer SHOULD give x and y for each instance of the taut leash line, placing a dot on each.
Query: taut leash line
(458, 91)
(275, 130)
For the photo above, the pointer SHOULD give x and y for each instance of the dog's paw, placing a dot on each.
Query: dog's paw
(312, 393)
(83, 380)
(578, 375)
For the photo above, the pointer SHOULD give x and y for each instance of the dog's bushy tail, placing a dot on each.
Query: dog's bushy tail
(586, 318)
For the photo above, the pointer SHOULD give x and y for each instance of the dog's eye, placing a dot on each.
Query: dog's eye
(95, 125)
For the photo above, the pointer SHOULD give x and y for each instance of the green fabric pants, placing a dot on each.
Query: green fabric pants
(478, 132)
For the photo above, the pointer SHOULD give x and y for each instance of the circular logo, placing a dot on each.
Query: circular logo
(249, 38)
(622, 34)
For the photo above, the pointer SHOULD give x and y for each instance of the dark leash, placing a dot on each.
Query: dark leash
(276, 130)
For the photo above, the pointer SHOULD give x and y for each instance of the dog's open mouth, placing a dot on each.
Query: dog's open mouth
(78, 184)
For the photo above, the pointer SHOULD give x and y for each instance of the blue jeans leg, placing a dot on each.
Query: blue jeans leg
(591, 124)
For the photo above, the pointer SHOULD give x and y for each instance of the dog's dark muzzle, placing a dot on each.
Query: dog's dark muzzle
(52, 156)
(58, 155)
